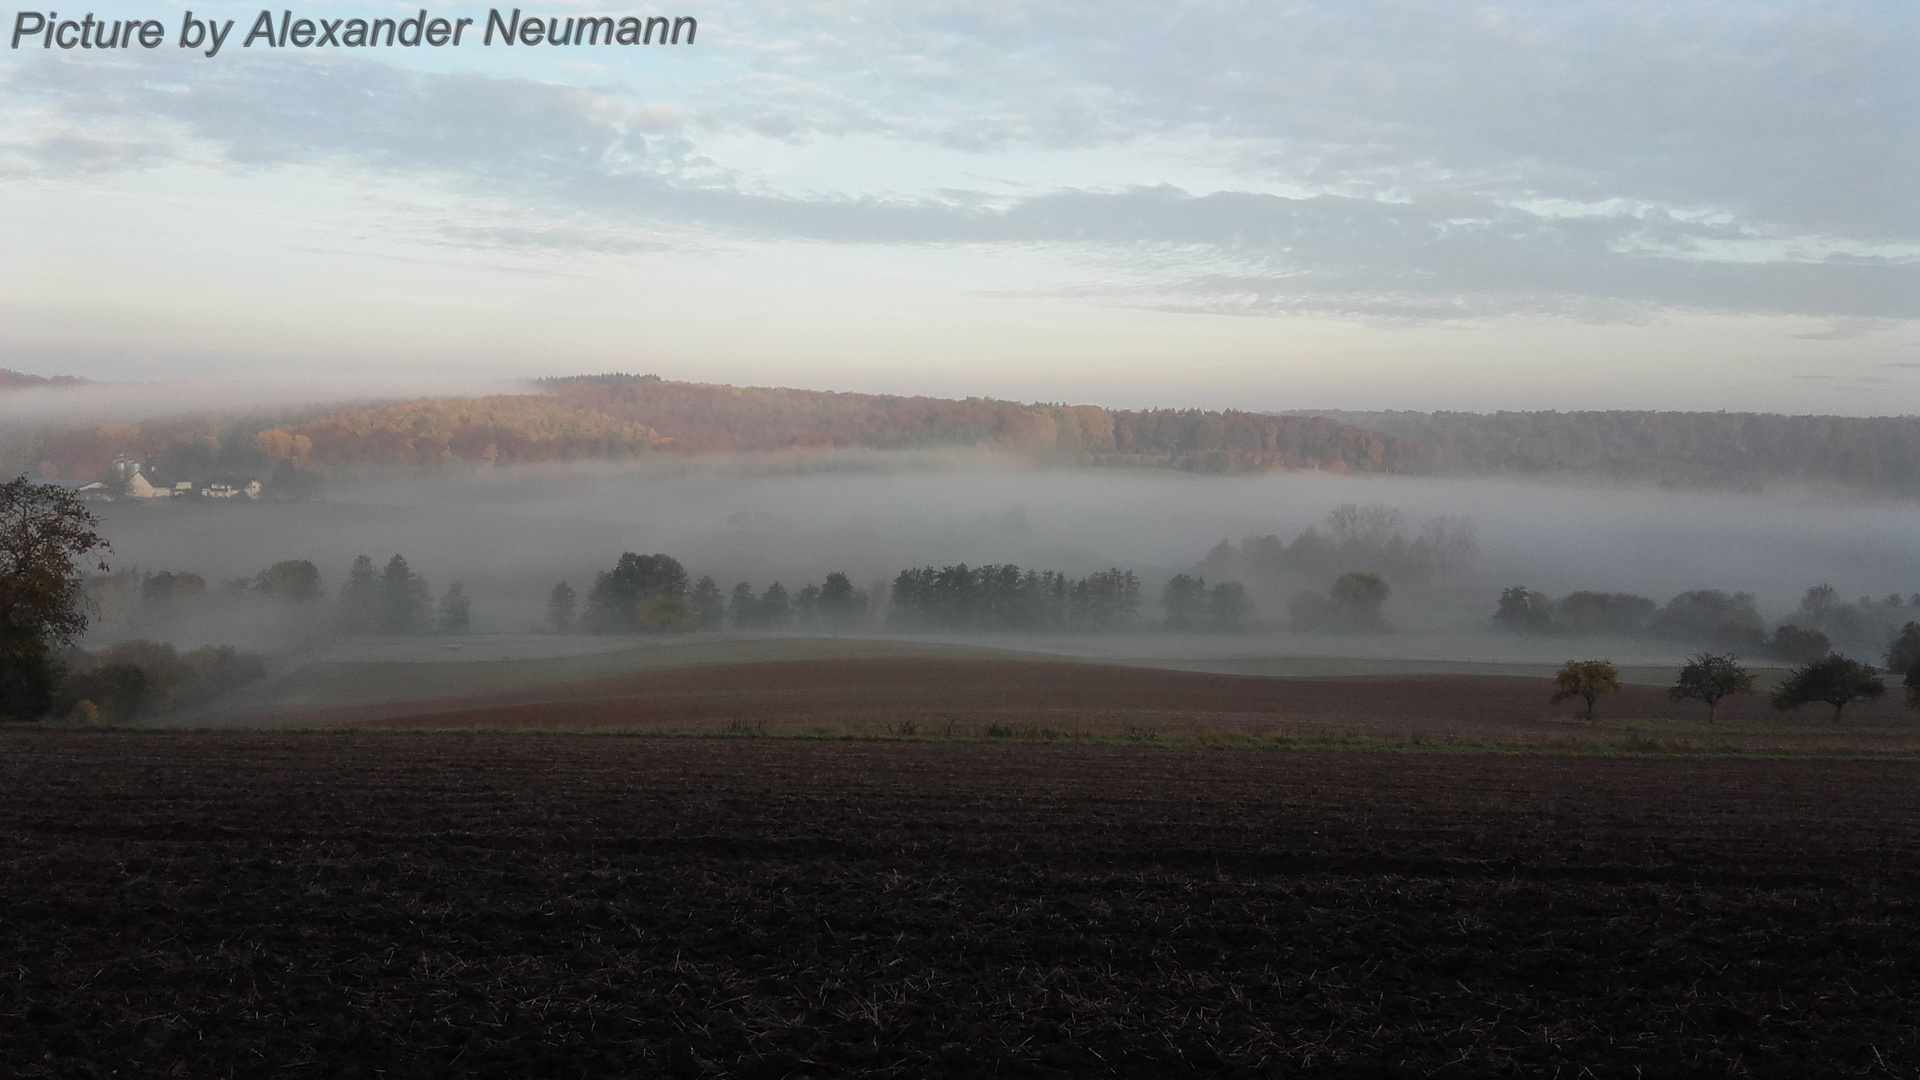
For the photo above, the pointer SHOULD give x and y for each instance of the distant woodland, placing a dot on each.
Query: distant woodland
(617, 416)
(1687, 448)
(624, 416)
(20, 380)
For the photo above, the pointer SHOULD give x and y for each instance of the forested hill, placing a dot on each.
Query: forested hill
(611, 417)
(705, 418)
(624, 416)
(1692, 448)
(20, 380)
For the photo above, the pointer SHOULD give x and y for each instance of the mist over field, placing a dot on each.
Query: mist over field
(509, 534)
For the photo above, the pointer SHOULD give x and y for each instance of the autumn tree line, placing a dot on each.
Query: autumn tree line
(610, 417)
(1717, 449)
(618, 416)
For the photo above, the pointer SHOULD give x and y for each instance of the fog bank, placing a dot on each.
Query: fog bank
(510, 534)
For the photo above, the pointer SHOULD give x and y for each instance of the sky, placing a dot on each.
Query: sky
(1364, 204)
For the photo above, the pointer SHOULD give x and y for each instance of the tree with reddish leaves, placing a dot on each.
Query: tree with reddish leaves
(45, 533)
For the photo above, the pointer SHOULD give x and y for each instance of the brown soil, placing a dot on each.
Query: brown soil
(1028, 698)
(513, 905)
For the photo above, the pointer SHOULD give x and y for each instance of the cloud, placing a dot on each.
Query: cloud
(1845, 330)
(1794, 114)
(126, 401)
(1376, 158)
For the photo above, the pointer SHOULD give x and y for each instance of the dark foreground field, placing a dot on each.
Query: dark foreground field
(410, 905)
(1028, 698)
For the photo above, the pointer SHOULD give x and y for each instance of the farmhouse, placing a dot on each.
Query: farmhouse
(131, 479)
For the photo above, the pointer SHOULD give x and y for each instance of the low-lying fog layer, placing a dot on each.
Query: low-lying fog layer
(508, 535)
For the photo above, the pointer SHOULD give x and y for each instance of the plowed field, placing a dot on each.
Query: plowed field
(969, 697)
(513, 905)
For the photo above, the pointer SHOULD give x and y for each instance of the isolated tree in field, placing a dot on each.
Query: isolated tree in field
(1708, 677)
(44, 533)
(1834, 679)
(1587, 680)
(456, 612)
(560, 608)
(707, 606)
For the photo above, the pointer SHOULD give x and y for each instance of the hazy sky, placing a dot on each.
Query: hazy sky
(1358, 204)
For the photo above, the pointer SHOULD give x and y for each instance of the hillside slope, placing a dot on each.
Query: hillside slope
(1692, 448)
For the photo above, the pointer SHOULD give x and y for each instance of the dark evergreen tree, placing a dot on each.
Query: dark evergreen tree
(359, 598)
(401, 599)
(806, 605)
(615, 601)
(743, 610)
(709, 607)
(560, 608)
(1004, 597)
(456, 613)
(775, 608)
